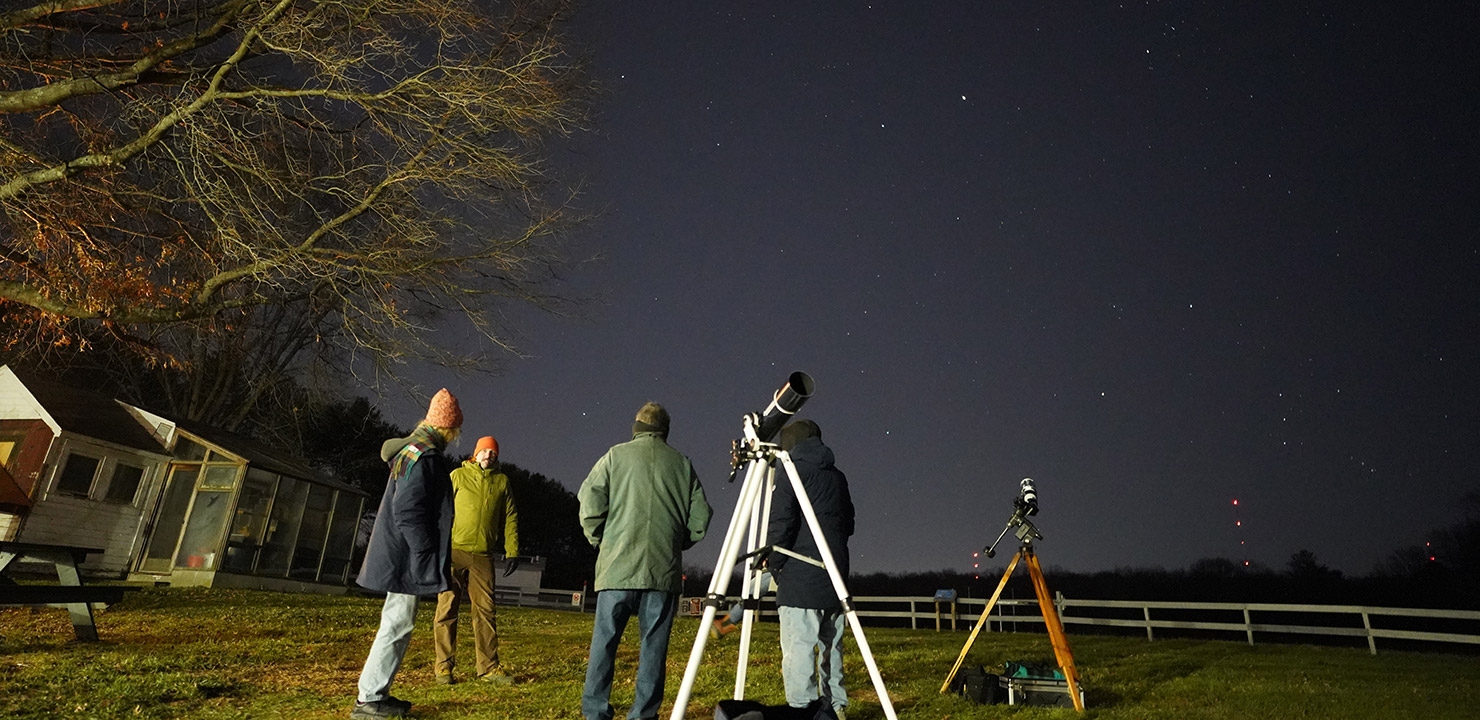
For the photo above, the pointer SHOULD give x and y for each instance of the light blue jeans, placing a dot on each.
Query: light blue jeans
(654, 610)
(812, 656)
(737, 611)
(396, 619)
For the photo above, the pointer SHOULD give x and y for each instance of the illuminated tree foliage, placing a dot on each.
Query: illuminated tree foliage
(345, 172)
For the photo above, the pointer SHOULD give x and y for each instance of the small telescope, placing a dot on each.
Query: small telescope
(1024, 506)
(784, 405)
(1027, 499)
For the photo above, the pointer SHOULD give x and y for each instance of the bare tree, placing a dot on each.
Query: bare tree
(178, 175)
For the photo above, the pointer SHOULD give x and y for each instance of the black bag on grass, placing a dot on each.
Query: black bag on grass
(752, 710)
(977, 685)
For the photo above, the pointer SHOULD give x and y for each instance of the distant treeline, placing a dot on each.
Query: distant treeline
(1439, 588)
(1445, 574)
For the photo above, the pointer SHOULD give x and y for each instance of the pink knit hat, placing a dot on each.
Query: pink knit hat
(444, 411)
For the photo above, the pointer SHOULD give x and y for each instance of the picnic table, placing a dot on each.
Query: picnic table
(69, 592)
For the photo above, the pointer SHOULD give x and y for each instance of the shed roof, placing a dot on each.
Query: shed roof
(89, 413)
(100, 417)
(260, 455)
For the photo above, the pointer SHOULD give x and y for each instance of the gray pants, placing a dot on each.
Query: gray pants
(396, 619)
(812, 656)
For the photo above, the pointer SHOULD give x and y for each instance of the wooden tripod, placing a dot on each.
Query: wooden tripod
(1050, 619)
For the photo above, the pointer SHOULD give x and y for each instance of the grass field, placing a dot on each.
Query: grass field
(243, 654)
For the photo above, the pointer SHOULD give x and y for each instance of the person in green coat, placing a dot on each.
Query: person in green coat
(641, 507)
(483, 509)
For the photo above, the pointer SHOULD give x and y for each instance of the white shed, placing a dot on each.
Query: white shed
(168, 500)
(83, 469)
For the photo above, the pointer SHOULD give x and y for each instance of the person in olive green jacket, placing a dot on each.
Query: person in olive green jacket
(641, 507)
(483, 507)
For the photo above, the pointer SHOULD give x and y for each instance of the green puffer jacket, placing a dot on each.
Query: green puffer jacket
(641, 506)
(483, 506)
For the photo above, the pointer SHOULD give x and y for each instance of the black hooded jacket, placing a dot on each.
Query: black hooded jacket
(800, 584)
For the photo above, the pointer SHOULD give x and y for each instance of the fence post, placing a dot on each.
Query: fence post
(1146, 611)
(912, 616)
(1371, 640)
(1248, 626)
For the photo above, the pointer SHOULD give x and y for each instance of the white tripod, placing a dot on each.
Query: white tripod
(752, 512)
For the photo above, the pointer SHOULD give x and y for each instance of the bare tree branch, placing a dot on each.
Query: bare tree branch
(53, 93)
(42, 10)
(384, 160)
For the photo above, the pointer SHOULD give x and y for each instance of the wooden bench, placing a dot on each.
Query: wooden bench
(61, 595)
(69, 593)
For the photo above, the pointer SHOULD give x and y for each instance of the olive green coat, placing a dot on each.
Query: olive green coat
(483, 508)
(641, 507)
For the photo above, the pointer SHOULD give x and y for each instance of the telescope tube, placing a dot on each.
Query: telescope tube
(787, 401)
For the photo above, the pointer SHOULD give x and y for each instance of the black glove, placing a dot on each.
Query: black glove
(510, 565)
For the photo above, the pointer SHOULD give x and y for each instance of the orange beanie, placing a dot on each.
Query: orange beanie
(486, 443)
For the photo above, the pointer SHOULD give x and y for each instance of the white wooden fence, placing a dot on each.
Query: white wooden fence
(922, 612)
(1255, 617)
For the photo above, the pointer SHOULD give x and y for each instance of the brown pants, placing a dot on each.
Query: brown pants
(473, 573)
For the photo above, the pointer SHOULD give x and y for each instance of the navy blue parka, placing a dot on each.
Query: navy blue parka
(800, 584)
(410, 547)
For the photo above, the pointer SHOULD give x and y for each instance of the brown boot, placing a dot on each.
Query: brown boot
(721, 628)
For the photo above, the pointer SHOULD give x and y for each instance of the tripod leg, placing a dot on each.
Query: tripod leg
(837, 581)
(750, 588)
(750, 493)
(981, 622)
(1055, 630)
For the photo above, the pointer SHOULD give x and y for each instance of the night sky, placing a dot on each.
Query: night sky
(1156, 257)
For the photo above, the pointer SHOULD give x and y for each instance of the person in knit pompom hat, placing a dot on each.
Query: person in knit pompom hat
(641, 506)
(410, 547)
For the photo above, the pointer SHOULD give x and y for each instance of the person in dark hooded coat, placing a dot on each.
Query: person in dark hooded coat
(409, 553)
(812, 618)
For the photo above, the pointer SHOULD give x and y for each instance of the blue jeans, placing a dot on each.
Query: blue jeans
(812, 650)
(655, 610)
(396, 619)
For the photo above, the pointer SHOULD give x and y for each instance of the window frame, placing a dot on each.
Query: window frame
(61, 471)
(107, 494)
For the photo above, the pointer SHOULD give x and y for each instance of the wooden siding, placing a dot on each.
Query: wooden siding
(26, 462)
(89, 521)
